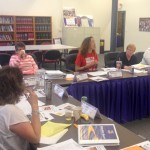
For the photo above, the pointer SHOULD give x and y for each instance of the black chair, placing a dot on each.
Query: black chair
(70, 62)
(4, 59)
(109, 59)
(52, 56)
(139, 56)
(74, 51)
(39, 57)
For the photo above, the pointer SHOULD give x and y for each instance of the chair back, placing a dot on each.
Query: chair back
(39, 57)
(70, 62)
(139, 56)
(52, 55)
(74, 51)
(110, 58)
(4, 59)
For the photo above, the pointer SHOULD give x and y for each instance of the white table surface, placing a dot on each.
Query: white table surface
(39, 47)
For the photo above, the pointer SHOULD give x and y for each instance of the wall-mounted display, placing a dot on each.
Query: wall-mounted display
(144, 24)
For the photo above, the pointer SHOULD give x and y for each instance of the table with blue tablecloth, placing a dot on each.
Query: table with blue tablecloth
(122, 100)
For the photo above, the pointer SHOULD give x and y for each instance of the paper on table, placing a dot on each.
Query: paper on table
(69, 77)
(51, 128)
(66, 145)
(45, 116)
(109, 69)
(98, 73)
(140, 66)
(53, 139)
(40, 93)
(66, 106)
(25, 106)
(97, 79)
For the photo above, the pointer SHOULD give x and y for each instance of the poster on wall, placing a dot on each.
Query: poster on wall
(144, 24)
(69, 17)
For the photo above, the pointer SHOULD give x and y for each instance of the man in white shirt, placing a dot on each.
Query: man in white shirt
(146, 57)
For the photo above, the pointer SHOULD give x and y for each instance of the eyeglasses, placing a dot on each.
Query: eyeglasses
(131, 50)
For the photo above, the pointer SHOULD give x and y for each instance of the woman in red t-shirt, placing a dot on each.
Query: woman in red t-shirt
(87, 59)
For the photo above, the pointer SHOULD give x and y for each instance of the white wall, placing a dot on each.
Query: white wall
(99, 9)
(136, 9)
(101, 12)
(35, 8)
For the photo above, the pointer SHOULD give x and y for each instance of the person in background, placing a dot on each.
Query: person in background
(22, 60)
(87, 59)
(128, 58)
(16, 131)
(146, 57)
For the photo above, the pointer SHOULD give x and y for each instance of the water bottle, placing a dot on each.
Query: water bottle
(83, 99)
(48, 89)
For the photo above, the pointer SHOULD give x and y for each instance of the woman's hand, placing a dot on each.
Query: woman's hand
(32, 99)
(22, 54)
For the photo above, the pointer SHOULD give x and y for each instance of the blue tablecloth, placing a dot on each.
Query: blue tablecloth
(123, 100)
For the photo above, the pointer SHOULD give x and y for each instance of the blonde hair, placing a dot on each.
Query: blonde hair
(131, 46)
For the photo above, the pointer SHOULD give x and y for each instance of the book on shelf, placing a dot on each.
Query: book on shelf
(140, 146)
(106, 134)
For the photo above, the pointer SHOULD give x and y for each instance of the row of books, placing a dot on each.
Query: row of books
(42, 28)
(6, 28)
(6, 37)
(24, 28)
(43, 36)
(25, 36)
(6, 20)
(24, 20)
(42, 20)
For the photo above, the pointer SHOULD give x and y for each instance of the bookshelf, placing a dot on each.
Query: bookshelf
(32, 30)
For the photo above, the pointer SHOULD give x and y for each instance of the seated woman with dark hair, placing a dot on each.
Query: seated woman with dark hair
(16, 131)
(22, 60)
(87, 59)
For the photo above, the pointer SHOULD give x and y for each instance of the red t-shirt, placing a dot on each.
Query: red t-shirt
(90, 57)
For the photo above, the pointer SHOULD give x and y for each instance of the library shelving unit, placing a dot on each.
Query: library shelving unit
(7, 30)
(43, 30)
(31, 30)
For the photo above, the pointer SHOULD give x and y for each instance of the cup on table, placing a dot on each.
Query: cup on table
(68, 114)
(118, 64)
(77, 111)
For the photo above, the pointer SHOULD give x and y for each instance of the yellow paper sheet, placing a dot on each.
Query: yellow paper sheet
(51, 128)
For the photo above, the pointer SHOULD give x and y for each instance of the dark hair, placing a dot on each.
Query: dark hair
(20, 44)
(11, 85)
(85, 46)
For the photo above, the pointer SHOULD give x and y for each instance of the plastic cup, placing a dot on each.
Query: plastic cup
(77, 111)
(118, 64)
(68, 114)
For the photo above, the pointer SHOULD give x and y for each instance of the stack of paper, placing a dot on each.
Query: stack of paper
(98, 73)
(140, 66)
(54, 74)
(52, 128)
(66, 145)
(98, 79)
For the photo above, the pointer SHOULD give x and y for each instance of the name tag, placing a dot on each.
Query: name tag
(82, 76)
(60, 91)
(90, 110)
(115, 74)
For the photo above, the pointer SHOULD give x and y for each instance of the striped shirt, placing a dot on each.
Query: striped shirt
(27, 64)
